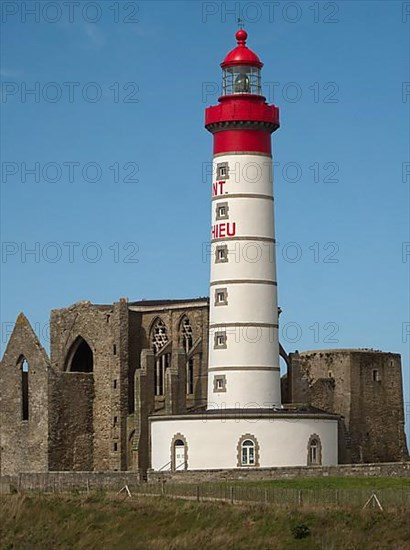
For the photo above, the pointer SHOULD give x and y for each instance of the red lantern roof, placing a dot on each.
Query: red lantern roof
(241, 55)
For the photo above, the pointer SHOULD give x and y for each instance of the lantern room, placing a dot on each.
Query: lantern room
(241, 69)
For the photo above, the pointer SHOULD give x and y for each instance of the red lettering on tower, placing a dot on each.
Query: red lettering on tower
(218, 188)
(231, 231)
(221, 230)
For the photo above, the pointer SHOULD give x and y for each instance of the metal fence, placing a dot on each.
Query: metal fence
(237, 493)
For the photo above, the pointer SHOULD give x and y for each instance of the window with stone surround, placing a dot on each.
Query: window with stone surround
(219, 383)
(221, 254)
(222, 211)
(222, 171)
(221, 297)
(314, 451)
(248, 451)
(220, 340)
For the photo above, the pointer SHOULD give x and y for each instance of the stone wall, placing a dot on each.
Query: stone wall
(259, 474)
(71, 431)
(365, 387)
(23, 441)
(105, 329)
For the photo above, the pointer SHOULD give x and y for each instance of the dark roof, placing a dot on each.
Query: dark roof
(168, 302)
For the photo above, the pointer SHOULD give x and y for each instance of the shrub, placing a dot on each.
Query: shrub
(300, 531)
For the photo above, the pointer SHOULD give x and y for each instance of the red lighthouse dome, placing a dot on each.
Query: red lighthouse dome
(242, 120)
(241, 55)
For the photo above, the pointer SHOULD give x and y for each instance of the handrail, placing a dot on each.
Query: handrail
(165, 465)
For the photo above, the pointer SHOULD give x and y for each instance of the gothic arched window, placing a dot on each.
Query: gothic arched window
(80, 357)
(314, 451)
(159, 339)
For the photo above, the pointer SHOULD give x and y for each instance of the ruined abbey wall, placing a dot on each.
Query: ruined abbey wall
(88, 405)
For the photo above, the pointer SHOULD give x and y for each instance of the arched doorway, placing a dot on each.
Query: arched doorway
(179, 454)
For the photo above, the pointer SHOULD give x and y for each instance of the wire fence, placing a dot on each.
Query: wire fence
(241, 492)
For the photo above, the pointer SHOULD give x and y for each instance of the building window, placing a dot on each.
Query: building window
(220, 340)
(114, 350)
(115, 421)
(221, 297)
(222, 171)
(221, 254)
(115, 446)
(24, 390)
(159, 339)
(314, 451)
(222, 211)
(248, 451)
(376, 376)
(114, 384)
(159, 335)
(219, 383)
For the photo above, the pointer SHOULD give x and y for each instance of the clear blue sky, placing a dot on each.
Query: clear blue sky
(339, 69)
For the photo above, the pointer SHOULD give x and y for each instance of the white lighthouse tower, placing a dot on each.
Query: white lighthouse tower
(244, 424)
(243, 338)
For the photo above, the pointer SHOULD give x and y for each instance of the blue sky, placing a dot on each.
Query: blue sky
(120, 96)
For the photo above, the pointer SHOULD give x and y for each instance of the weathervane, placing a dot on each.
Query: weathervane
(240, 23)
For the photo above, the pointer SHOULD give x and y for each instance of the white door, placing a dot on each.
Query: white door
(179, 455)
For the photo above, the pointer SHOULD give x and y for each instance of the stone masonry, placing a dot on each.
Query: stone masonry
(86, 407)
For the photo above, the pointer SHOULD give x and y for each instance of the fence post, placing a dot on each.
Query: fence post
(163, 487)
(266, 496)
(300, 501)
(232, 496)
(197, 493)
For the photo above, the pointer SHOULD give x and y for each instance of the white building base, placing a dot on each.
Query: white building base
(243, 439)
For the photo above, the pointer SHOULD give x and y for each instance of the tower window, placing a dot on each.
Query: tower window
(115, 447)
(221, 297)
(220, 340)
(114, 349)
(219, 383)
(222, 210)
(376, 376)
(222, 171)
(221, 254)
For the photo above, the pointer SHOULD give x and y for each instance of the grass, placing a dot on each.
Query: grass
(101, 521)
(332, 483)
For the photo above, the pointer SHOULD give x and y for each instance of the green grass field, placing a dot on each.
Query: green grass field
(99, 521)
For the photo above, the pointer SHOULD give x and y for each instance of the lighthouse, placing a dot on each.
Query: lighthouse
(243, 368)
(244, 424)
